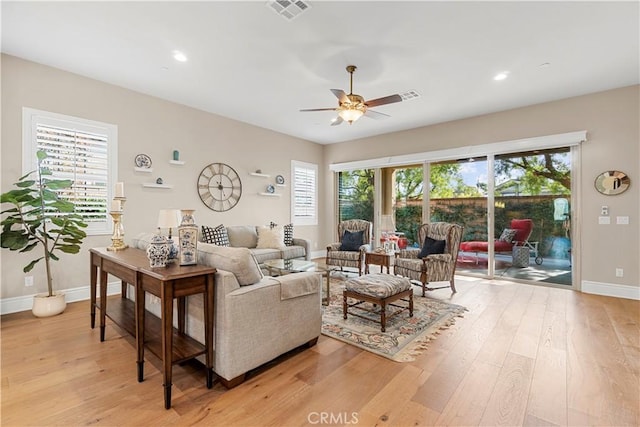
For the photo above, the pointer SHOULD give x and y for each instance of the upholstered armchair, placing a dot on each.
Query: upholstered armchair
(354, 240)
(436, 261)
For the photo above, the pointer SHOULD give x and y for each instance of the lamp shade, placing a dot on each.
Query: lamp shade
(387, 223)
(168, 218)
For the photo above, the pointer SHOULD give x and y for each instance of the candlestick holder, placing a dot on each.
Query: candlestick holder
(117, 240)
(122, 200)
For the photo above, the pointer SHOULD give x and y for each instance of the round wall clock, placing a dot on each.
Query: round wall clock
(612, 182)
(219, 187)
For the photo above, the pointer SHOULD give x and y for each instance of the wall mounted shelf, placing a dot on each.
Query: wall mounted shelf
(269, 194)
(176, 162)
(154, 185)
(145, 170)
(260, 175)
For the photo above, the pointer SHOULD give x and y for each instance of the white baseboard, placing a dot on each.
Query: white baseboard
(318, 254)
(25, 303)
(611, 290)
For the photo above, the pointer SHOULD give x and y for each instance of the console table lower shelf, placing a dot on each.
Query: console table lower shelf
(122, 312)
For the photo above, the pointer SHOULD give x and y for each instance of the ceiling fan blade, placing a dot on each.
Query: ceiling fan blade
(337, 121)
(383, 101)
(319, 109)
(339, 93)
(376, 115)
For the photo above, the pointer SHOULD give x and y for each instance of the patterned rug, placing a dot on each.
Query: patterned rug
(405, 337)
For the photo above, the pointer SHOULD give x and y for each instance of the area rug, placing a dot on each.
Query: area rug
(405, 337)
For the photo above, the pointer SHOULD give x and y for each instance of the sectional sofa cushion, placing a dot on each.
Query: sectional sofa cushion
(239, 261)
(244, 236)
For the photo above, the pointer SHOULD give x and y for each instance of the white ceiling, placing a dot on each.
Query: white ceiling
(248, 63)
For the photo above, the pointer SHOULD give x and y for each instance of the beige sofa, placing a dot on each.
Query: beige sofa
(257, 317)
(247, 236)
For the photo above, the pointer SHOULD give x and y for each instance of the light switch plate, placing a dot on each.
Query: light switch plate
(622, 220)
(603, 220)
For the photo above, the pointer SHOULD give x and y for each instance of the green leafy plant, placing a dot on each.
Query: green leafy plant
(39, 217)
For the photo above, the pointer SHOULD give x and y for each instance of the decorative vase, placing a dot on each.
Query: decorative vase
(46, 306)
(188, 238)
(176, 155)
(173, 250)
(158, 251)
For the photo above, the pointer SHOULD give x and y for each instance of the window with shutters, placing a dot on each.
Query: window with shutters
(304, 193)
(81, 150)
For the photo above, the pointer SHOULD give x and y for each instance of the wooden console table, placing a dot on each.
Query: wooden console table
(171, 345)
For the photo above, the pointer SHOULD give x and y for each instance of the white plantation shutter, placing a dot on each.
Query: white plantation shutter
(304, 200)
(82, 151)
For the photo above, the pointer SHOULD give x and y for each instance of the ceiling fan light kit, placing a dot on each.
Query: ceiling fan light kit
(352, 106)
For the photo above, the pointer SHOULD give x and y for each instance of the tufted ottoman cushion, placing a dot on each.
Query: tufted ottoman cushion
(378, 285)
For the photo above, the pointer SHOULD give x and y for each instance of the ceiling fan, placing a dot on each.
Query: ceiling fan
(351, 106)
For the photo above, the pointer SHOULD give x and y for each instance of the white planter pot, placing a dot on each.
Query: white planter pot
(46, 306)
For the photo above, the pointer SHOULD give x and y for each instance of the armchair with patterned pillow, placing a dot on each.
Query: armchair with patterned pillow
(354, 237)
(436, 260)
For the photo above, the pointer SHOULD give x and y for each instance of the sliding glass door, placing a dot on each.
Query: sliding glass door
(515, 208)
(534, 189)
(458, 194)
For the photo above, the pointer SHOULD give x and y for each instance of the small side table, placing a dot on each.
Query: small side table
(520, 256)
(383, 259)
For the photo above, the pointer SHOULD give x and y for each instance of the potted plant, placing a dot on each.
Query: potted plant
(38, 217)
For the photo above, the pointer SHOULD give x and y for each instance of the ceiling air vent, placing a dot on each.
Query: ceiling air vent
(288, 9)
(409, 95)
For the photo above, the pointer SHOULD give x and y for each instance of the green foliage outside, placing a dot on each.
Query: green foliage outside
(39, 217)
(356, 194)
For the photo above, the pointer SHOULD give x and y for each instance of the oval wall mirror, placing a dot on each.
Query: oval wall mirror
(612, 182)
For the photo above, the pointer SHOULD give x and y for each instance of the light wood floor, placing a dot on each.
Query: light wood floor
(522, 355)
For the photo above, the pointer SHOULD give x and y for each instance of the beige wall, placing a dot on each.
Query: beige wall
(155, 127)
(612, 120)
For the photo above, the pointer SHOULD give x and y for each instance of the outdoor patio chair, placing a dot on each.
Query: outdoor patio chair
(517, 235)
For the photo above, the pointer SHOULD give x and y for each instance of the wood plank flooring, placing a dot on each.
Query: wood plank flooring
(522, 355)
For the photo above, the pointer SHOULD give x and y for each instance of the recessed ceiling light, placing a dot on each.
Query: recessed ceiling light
(179, 56)
(501, 76)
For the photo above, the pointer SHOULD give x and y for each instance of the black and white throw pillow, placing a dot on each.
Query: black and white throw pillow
(288, 235)
(217, 236)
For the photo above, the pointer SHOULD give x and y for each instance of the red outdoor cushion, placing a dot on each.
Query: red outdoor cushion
(524, 227)
(500, 246)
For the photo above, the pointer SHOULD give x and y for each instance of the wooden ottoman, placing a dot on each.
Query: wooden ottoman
(380, 290)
